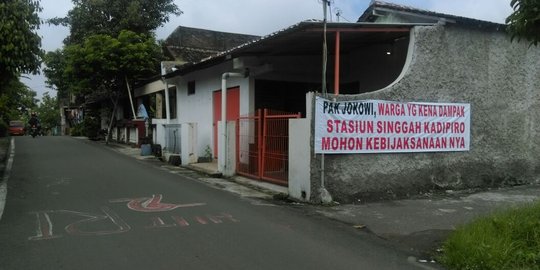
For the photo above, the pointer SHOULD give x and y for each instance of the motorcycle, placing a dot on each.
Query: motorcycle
(34, 131)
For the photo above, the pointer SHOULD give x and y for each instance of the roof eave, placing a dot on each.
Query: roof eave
(302, 26)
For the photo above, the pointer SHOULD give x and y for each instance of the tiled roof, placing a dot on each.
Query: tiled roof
(189, 45)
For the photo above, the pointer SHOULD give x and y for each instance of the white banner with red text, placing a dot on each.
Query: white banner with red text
(378, 126)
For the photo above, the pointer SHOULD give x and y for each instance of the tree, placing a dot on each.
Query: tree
(111, 45)
(20, 45)
(524, 22)
(16, 101)
(101, 18)
(105, 62)
(49, 112)
(110, 17)
(104, 65)
(54, 70)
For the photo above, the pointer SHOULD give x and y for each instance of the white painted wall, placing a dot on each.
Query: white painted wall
(188, 143)
(133, 135)
(114, 133)
(159, 136)
(299, 159)
(198, 108)
(300, 154)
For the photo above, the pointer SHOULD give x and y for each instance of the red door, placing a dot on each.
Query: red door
(233, 110)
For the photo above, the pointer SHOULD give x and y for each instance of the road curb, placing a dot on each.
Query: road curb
(203, 171)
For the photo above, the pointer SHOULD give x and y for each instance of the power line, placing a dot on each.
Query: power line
(339, 13)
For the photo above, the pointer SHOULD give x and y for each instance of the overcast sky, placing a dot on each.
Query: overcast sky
(262, 17)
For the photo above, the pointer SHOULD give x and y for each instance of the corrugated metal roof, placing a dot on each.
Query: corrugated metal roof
(305, 38)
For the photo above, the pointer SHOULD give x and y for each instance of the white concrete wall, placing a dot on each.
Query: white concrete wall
(133, 135)
(198, 108)
(159, 135)
(299, 159)
(498, 78)
(189, 136)
(123, 132)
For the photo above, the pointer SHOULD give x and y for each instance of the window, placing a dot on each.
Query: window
(191, 88)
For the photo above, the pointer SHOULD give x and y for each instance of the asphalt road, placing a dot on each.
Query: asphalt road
(76, 204)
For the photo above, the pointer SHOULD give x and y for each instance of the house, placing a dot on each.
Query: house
(264, 123)
(273, 73)
(186, 45)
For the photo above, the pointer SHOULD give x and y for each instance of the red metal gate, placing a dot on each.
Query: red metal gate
(263, 145)
(248, 144)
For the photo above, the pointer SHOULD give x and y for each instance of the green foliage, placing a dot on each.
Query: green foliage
(116, 23)
(103, 62)
(54, 70)
(20, 52)
(49, 112)
(20, 45)
(524, 22)
(91, 127)
(111, 44)
(16, 100)
(208, 152)
(110, 17)
(77, 130)
(505, 240)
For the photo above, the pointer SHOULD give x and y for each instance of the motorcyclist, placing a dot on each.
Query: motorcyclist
(34, 121)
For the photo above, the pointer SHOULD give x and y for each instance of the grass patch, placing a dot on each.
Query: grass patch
(508, 239)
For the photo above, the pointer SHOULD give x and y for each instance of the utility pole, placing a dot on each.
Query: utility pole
(326, 3)
(326, 198)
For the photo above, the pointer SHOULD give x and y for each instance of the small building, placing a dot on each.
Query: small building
(186, 46)
(266, 82)
(394, 54)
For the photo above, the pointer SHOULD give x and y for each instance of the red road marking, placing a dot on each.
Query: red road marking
(201, 220)
(84, 226)
(153, 204)
(180, 221)
(219, 218)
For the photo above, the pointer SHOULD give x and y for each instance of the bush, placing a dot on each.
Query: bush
(91, 127)
(77, 130)
(505, 240)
